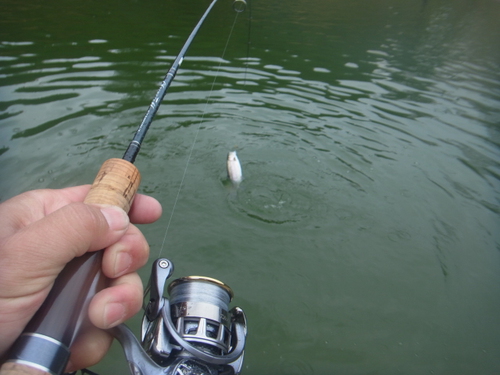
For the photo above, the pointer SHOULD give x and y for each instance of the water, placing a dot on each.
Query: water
(364, 237)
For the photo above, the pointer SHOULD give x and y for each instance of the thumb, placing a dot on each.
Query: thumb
(34, 256)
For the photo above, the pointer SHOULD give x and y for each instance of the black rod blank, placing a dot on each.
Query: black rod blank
(135, 144)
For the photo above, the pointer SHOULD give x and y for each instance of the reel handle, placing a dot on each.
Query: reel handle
(44, 345)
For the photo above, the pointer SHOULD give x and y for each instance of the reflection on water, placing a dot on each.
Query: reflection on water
(364, 237)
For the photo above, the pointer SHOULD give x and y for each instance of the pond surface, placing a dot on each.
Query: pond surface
(364, 238)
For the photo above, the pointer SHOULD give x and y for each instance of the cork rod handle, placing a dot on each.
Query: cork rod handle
(115, 184)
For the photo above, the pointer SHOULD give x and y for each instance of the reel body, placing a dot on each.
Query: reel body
(193, 333)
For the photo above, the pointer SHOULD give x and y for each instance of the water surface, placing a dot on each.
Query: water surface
(364, 238)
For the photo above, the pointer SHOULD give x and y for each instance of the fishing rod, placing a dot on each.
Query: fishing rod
(135, 145)
(215, 347)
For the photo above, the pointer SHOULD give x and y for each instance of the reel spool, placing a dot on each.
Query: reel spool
(200, 312)
(195, 329)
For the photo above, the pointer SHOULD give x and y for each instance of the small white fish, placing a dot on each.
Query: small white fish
(234, 168)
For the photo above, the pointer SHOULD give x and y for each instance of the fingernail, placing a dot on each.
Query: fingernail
(69, 367)
(114, 314)
(123, 260)
(117, 218)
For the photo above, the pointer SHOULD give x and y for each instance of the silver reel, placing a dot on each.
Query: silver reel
(193, 333)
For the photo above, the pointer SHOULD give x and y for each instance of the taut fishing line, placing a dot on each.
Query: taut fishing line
(249, 41)
(196, 136)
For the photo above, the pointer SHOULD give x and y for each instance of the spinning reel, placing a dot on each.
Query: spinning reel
(193, 333)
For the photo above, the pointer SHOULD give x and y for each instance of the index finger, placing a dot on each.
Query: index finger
(144, 209)
(34, 205)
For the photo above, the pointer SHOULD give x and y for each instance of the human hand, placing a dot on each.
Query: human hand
(41, 231)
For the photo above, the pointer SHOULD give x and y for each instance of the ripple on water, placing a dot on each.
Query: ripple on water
(276, 200)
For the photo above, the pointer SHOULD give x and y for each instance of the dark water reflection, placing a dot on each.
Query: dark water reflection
(364, 237)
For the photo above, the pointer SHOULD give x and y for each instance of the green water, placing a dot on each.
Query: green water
(365, 236)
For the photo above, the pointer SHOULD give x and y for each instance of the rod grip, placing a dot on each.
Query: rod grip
(115, 184)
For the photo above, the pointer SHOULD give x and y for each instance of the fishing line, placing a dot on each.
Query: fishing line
(196, 136)
(249, 41)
